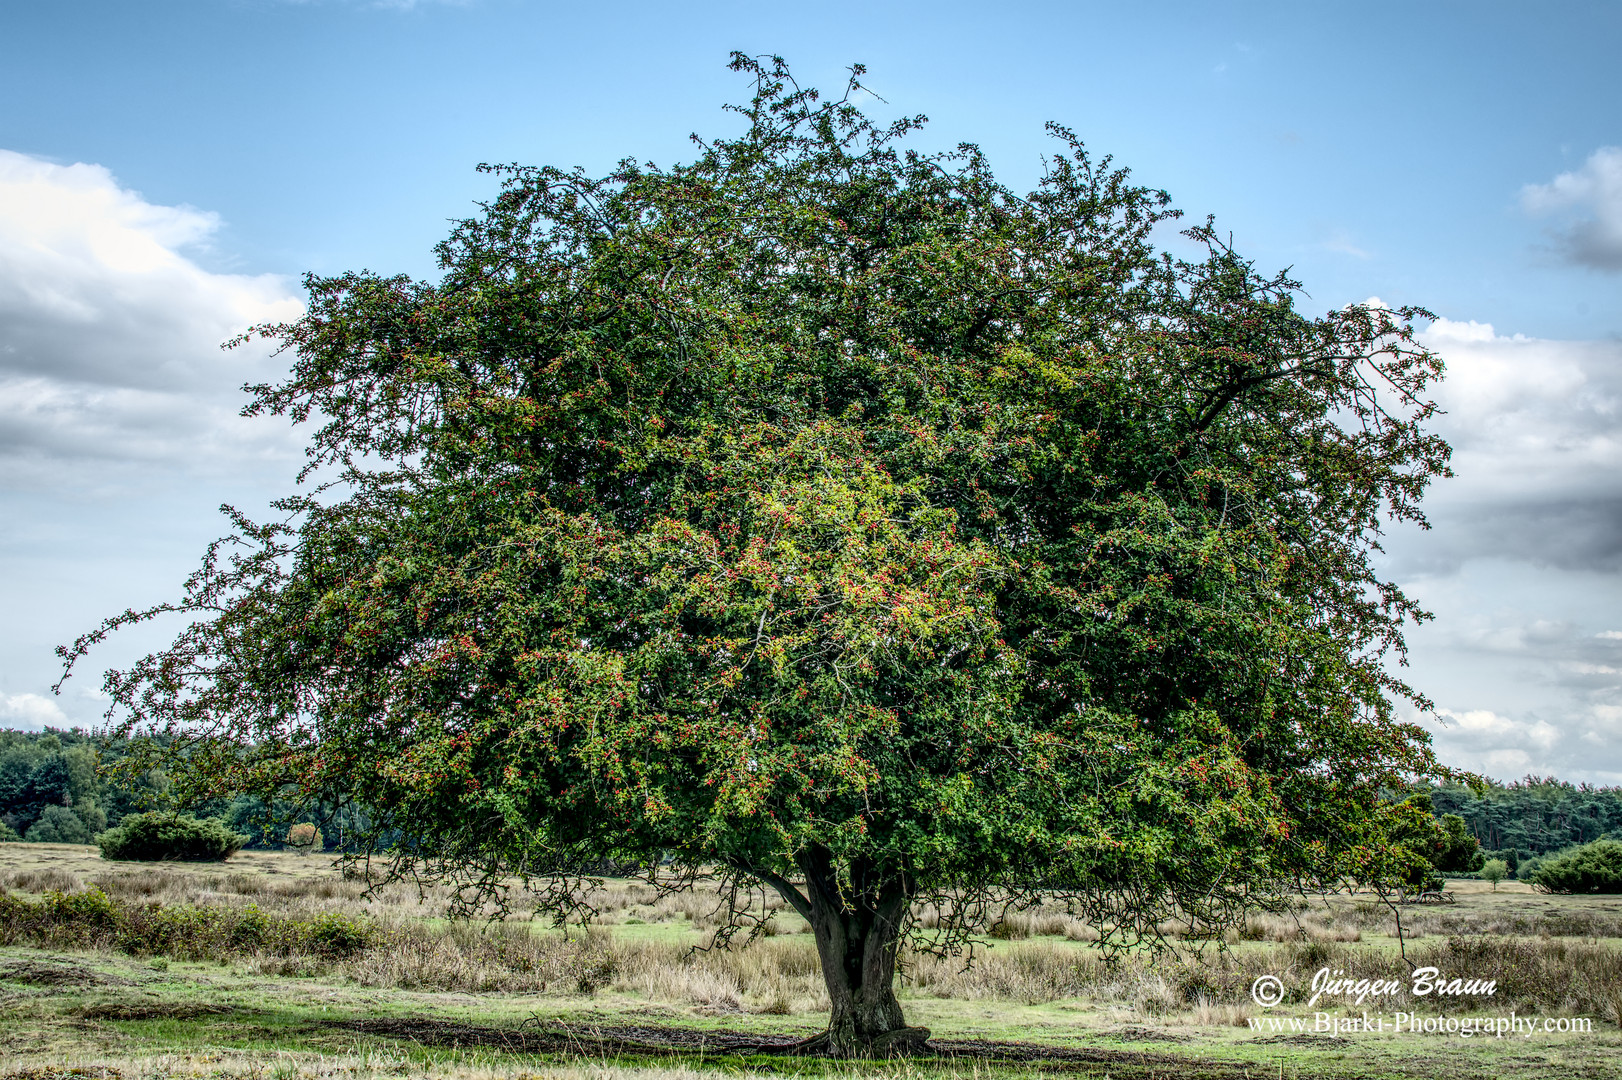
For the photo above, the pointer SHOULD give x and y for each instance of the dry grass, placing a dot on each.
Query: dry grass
(645, 946)
(781, 975)
(1314, 926)
(39, 880)
(271, 878)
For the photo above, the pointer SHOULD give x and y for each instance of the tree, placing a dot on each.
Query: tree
(305, 838)
(1494, 870)
(52, 768)
(1413, 842)
(58, 825)
(826, 516)
(1461, 852)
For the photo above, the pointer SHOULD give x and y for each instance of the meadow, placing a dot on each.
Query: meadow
(276, 964)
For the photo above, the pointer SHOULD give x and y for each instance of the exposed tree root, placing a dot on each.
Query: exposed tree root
(905, 1042)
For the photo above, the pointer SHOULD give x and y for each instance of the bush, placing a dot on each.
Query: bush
(58, 825)
(91, 919)
(158, 836)
(335, 936)
(305, 838)
(1592, 868)
(1493, 870)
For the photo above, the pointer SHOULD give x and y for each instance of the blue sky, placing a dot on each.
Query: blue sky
(330, 135)
(167, 169)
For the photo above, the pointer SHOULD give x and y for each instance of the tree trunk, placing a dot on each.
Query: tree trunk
(857, 931)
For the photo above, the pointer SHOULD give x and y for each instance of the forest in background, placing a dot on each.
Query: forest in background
(54, 788)
(1536, 815)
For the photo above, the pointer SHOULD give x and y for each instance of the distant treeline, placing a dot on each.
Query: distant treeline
(52, 791)
(55, 788)
(1534, 815)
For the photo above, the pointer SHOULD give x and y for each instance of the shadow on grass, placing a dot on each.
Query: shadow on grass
(668, 1042)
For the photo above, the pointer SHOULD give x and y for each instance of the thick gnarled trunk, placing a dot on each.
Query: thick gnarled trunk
(857, 931)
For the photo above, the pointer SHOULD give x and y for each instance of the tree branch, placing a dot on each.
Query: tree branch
(785, 888)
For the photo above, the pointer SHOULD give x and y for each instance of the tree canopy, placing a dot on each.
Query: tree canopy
(826, 515)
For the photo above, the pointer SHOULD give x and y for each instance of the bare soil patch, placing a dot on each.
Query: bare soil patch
(1323, 1041)
(61, 973)
(1143, 1034)
(152, 1011)
(555, 1036)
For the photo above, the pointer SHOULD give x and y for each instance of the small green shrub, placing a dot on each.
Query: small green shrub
(159, 836)
(335, 936)
(92, 919)
(593, 969)
(1493, 870)
(253, 929)
(86, 917)
(1592, 868)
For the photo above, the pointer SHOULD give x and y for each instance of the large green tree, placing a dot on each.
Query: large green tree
(828, 516)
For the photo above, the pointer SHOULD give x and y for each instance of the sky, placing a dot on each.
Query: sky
(168, 170)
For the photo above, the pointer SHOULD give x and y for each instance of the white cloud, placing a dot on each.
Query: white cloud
(1591, 199)
(30, 712)
(1519, 662)
(1495, 729)
(110, 334)
(1523, 567)
(1506, 746)
(1536, 430)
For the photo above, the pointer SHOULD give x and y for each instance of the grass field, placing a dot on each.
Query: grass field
(415, 995)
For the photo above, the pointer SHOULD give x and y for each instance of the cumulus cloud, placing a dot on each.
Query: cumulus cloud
(30, 712)
(1517, 693)
(1590, 201)
(1536, 429)
(1573, 745)
(1523, 565)
(110, 333)
(1523, 667)
(1484, 741)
